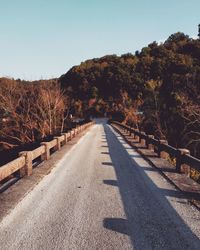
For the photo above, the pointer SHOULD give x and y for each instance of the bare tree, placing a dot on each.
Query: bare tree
(29, 112)
(190, 112)
(53, 106)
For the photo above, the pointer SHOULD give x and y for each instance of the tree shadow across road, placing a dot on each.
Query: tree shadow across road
(152, 222)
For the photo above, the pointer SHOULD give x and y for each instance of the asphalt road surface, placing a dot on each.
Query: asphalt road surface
(102, 195)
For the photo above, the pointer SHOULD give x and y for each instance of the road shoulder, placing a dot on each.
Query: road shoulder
(189, 188)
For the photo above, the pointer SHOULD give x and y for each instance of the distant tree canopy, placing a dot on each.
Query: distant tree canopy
(162, 81)
(107, 75)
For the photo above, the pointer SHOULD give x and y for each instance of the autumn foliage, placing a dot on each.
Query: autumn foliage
(30, 111)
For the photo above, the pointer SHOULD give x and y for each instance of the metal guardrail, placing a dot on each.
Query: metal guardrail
(182, 156)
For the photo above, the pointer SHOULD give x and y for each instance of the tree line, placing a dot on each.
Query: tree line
(157, 89)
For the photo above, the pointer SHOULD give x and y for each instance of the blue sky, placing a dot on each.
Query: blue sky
(45, 38)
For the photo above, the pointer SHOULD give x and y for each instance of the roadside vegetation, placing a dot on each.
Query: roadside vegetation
(31, 112)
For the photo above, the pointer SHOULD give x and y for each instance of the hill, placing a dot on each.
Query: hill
(162, 81)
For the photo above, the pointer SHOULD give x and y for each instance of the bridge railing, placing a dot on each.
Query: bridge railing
(23, 165)
(184, 161)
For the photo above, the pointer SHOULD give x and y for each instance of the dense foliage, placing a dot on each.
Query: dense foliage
(161, 82)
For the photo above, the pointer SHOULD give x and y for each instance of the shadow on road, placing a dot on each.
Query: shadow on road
(152, 222)
(117, 225)
(111, 182)
(107, 164)
(104, 153)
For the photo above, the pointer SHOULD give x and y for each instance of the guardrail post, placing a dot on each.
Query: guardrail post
(22, 171)
(28, 163)
(142, 140)
(136, 137)
(65, 135)
(70, 135)
(180, 166)
(58, 142)
(47, 151)
(161, 153)
(149, 145)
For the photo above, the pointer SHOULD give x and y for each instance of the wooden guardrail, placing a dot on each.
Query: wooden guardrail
(24, 163)
(184, 161)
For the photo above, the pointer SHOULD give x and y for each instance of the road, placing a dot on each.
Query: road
(102, 195)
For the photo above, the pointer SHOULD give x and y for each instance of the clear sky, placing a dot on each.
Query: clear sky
(45, 38)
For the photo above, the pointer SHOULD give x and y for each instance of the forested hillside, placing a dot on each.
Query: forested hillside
(156, 89)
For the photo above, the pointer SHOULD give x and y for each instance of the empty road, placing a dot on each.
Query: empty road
(102, 195)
